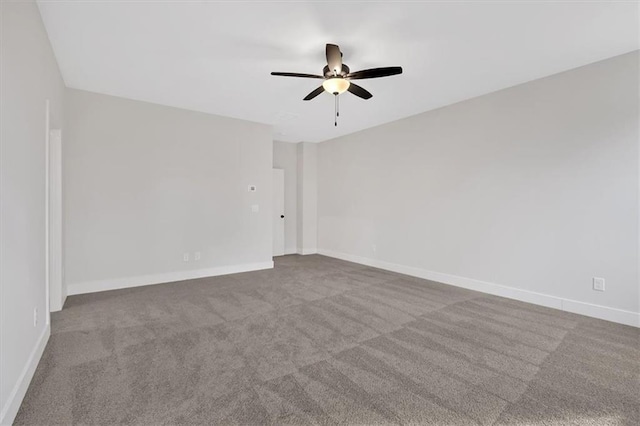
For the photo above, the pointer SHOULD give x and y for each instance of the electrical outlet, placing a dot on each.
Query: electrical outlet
(185, 257)
(598, 284)
(196, 256)
(35, 317)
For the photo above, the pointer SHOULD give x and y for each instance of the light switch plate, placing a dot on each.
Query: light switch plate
(598, 284)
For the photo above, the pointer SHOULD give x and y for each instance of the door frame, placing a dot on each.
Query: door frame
(55, 290)
(47, 131)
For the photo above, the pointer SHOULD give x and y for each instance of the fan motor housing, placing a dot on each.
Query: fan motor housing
(328, 73)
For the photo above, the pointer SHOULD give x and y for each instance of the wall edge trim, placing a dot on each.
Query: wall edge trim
(11, 407)
(582, 308)
(167, 277)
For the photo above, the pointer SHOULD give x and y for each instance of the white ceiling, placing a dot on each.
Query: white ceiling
(216, 56)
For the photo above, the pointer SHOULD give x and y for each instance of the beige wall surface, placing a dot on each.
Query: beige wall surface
(534, 187)
(145, 184)
(29, 76)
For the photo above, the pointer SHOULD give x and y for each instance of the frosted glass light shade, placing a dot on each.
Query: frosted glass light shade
(336, 85)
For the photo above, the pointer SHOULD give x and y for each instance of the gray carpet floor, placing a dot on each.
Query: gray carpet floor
(321, 341)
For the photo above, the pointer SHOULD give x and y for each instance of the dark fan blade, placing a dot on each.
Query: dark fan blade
(359, 91)
(334, 58)
(374, 73)
(314, 93)
(295, 74)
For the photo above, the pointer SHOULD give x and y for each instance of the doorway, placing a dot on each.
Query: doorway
(278, 212)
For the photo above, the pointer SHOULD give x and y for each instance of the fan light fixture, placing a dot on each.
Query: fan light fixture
(337, 76)
(336, 85)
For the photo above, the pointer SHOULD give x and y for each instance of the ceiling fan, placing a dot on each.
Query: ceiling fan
(337, 77)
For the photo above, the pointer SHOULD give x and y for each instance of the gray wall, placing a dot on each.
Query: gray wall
(307, 234)
(28, 76)
(285, 158)
(146, 183)
(534, 187)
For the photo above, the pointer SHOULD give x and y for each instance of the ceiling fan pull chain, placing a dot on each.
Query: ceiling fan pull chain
(335, 111)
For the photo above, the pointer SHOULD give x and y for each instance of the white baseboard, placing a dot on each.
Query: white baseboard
(596, 311)
(18, 392)
(137, 281)
(307, 251)
(602, 312)
(290, 251)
